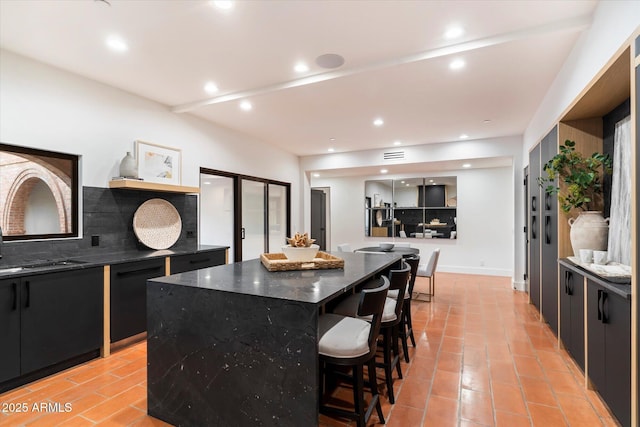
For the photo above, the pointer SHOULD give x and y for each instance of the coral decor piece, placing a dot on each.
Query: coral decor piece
(300, 240)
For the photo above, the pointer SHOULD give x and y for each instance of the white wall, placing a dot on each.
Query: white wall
(48, 108)
(613, 24)
(485, 220)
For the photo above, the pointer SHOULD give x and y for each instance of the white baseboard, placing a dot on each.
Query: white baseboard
(519, 285)
(484, 271)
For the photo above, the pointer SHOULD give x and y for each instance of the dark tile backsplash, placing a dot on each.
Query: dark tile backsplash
(107, 213)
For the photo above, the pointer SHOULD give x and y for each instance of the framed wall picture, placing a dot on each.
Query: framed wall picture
(160, 164)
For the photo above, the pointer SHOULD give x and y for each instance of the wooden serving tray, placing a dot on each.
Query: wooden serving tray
(279, 262)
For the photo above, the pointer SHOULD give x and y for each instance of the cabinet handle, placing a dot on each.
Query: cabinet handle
(605, 298)
(547, 223)
(533, 204)
(198, 261)
(533, 227)
(141, 270)
(27, 303)
(599, 304)
(569, 283)
(243, 236)
(547, 201)
(14, 288)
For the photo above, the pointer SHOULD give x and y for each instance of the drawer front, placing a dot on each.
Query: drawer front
(129, 296)
(182, 263)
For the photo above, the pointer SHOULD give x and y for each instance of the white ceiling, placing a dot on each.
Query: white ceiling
(397, 62)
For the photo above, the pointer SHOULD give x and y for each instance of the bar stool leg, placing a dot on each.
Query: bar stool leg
(409, 323)
(396, 350)
(373, 381)
(358, 390)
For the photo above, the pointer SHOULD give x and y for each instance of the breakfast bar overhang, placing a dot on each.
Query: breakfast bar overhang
(237, 344)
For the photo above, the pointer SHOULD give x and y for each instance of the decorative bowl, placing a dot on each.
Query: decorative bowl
(303, 254)
(386, 246)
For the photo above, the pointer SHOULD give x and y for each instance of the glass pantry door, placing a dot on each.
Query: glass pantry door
(277, 217)
(217, 211)
(253, 219)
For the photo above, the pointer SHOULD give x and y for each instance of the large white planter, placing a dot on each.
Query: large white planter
(589, 231)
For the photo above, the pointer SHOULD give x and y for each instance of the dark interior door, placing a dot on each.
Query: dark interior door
(319, 218)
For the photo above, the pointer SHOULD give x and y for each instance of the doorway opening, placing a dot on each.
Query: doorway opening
(321, 217)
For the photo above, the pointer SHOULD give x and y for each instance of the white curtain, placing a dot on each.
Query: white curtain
(620, 219)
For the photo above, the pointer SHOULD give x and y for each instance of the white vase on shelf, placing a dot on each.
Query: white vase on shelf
(589, 231)
(128, 166)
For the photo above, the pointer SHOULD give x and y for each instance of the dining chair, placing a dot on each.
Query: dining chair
(345, 247)
(429, 270)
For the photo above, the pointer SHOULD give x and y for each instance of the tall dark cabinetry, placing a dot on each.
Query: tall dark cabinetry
(534, 226)
(549, 237)
(543, 226)
(572, 313)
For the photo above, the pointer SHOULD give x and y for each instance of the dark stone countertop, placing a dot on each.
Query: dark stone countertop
(624, 290)
(32, 267)
(307, 286)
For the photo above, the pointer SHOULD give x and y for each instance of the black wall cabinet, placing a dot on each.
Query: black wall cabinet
(572, 313)
(534, 226)
(543, 223)
(609, 348)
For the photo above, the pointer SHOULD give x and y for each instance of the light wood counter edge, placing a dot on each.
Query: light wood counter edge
(106, 317)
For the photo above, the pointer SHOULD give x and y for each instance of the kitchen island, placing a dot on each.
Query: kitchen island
(237, 344)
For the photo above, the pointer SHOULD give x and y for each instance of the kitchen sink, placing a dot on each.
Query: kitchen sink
(42, 264)
(54, 263)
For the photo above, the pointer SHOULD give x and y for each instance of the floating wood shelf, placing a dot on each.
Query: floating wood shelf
(134, 184)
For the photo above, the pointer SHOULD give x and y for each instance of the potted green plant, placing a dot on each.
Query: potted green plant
(583, 190)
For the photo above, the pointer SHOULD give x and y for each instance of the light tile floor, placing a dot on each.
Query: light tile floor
(482, 358)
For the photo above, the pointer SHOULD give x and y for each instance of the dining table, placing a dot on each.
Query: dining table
(400, 250)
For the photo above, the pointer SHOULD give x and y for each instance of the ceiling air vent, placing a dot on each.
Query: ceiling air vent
(394, 155)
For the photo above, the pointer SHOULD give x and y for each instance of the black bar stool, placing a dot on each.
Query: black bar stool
(398, 280)
(406, 327)
(350, 341)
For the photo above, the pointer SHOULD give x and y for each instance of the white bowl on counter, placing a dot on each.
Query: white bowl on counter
(386, 246)
(304, 254)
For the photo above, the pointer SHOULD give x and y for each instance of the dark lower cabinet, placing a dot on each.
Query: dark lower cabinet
(9, 329)
(609, 348)
(189, 262)
(572, 313)
(129, 296)
(48, 319)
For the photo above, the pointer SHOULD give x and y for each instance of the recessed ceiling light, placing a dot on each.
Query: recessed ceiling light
(383, 171)
(464, 136)
(453, 32)
(116, 44)
(246, 106)
(316, 175)
(301, 67)
(397, 143)
(457, 64)
(378, 122)
(401, 182)
(210, 88)
(332, 139)
(486, 122)
(430, 180)
(223, 4)
(408, 185)
(331, 150)
(466, 165)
